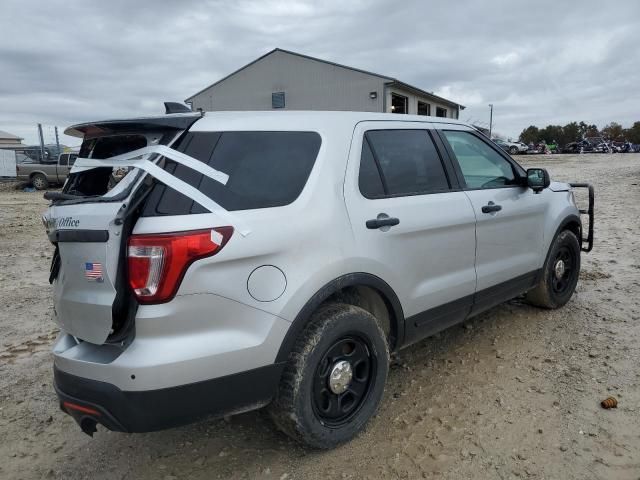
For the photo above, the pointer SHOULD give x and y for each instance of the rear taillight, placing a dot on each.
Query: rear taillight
(157, 263)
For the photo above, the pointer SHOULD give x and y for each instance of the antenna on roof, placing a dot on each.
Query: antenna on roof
(175, 107)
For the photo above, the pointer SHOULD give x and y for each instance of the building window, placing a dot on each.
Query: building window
(441, 112)
(399, 103)
(424, 109)
(277, 100)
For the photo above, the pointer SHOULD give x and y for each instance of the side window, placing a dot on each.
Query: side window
(64, 160)
(406, 161)
(481, 165)
(72, 159)
(369, 179)
(265, 168)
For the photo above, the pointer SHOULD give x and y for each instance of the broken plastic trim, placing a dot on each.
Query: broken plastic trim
(131, 159)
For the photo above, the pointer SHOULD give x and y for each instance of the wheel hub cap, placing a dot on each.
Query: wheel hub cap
(559, 269)
(340, 377)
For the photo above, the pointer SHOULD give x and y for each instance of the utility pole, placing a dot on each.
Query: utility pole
(57, 140)
(41, 142)
(490, 119)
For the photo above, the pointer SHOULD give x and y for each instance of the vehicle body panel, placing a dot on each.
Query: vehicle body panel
(404, 255)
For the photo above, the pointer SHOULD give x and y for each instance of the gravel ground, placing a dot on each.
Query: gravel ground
(514, 393)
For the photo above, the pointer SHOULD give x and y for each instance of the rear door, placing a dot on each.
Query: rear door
(88, 223)
(413, 226)
(87, 251)
(510, 216)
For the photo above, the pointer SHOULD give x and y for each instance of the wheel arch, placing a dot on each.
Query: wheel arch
(355, 289)
(572, 223)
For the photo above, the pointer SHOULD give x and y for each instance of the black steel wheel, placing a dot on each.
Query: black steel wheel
(334, 379)
(560, 273)
(343, 380)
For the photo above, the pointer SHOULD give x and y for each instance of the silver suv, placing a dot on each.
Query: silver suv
(277, 258)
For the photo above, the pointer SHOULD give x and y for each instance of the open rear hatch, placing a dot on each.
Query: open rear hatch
(90, 220)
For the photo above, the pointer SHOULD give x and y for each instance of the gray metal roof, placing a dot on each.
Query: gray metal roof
(390, 80)
(9, 136)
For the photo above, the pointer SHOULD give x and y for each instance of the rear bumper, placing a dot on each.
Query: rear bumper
(91, 401)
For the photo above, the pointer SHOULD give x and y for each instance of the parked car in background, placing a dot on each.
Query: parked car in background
(622, 147)
(41, 175)
(578, 147)
(552, 147)
(603, 147)
(34, 154)
(536, 148)
(513, 148)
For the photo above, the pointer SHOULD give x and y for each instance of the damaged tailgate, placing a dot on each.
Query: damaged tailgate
(90, 220)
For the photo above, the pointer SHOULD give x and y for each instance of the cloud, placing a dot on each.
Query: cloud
(66, 62)
(506, 59)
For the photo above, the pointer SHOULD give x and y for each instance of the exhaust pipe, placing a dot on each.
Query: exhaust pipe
(88, 425)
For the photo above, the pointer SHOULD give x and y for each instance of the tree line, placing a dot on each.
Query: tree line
(575, 131)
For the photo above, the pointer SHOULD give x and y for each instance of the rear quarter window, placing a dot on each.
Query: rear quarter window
(266, 169)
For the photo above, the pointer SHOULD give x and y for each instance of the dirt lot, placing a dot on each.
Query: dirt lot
(514, 393)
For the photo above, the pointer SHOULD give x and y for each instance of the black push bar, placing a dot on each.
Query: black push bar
(589, 212)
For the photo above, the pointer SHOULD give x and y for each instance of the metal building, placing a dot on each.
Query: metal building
(291, 81)
(8, 140)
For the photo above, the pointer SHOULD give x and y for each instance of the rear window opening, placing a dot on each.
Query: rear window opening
(98, 181)
(266, 169)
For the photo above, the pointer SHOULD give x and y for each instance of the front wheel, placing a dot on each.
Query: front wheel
(559, 274)
(334, 380)
(513, 150)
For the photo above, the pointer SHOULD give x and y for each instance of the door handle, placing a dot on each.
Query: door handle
(491, 207)
(382, 222)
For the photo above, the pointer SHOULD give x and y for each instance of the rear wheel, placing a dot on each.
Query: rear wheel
(513, 150)
(559, 274)
(39, 181)
(334, 380)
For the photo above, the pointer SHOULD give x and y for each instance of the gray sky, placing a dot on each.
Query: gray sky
(540, 62)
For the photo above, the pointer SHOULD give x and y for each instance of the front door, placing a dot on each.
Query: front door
(413, 227)
(510, 217)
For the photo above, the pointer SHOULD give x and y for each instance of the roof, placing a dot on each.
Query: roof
(8, 136)
(390, 80)
(302, 120)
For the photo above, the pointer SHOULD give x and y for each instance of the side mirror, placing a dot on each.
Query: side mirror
(538, 179)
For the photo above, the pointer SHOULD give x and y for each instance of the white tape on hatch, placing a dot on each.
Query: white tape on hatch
(131, 159)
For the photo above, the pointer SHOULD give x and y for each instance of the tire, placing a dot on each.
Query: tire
(306, 407)
(513, 150)
(555, 290)
(39, 182)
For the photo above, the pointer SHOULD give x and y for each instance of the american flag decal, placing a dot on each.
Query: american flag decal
(93, 272)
